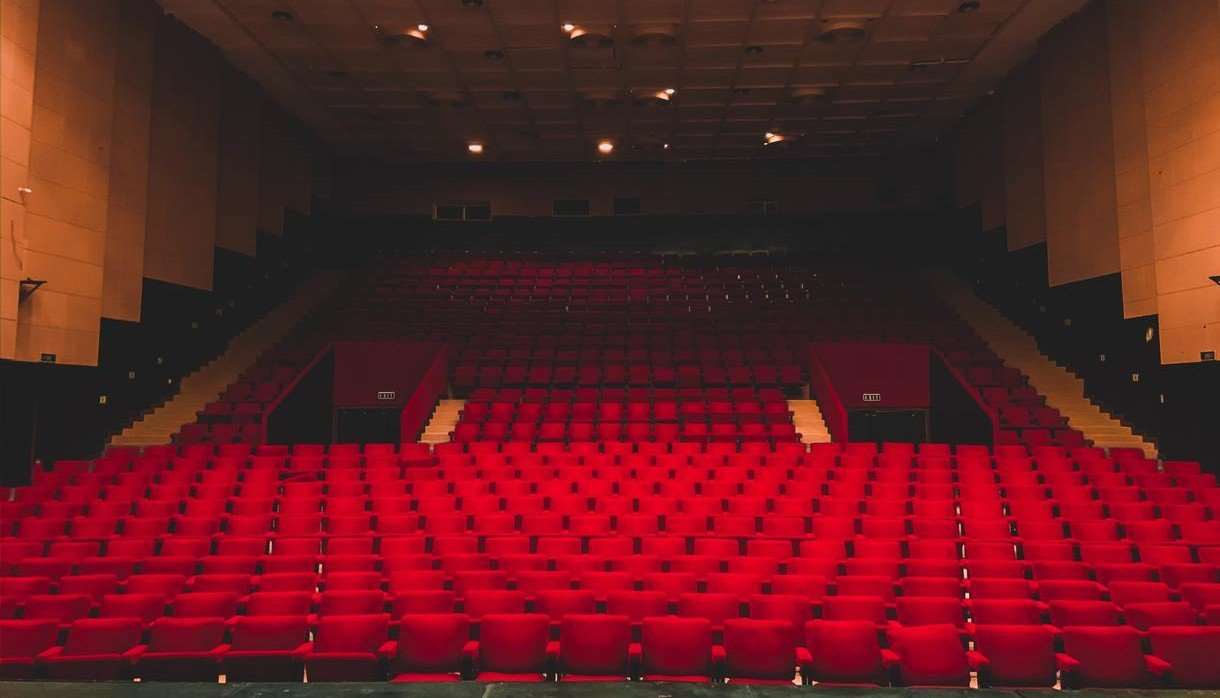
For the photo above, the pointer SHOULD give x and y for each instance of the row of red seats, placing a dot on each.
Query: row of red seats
(600, 647)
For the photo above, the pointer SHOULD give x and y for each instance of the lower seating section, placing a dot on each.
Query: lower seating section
(753, 562)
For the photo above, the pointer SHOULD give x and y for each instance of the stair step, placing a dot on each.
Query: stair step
(1063, 390)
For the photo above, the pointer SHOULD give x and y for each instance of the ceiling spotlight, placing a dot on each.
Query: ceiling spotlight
(422, 27)
(770, 137)
(969, 6)
(282, 16)
(670, 91)
(475, 148)
(665, 146)
(568, 27)
(605, 147)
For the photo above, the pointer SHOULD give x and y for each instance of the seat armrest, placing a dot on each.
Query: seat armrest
(302, 649)
(977, 660)
(1066, 662)
(552, 651)
(134, 653)
(389, 648)
(890, 657)
(1156, 666)
(803, 657)
(220, 650)
(470, 658)
(49, 653)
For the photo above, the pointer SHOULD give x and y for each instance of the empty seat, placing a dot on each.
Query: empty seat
(761, 651)
(595, 648)
(678, 649)
(348, 648)
(183, 649)
(845, 652)
(97, 649)
(267, 648)
(23, 640)
(432, 648)
(1190, 653)
(512, 647)
(1106, 657)
(1014, 655)
(929, 655)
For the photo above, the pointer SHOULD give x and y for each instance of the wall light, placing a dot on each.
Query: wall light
(568, 27)
(605, 147)
(422, 27)
(670, 91)
(770, 137)
(475, 148)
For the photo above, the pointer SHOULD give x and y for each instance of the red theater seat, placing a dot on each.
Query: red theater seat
(267, 648)
(843, 652)
(183, 649)
(348, 648)
(97, 649)
(1014, 655)
(929, 655)
(1107, 657)
(679, 650)
(432, 648)
(761, 651)
(596, 648)
(513, 647)
(23, 641)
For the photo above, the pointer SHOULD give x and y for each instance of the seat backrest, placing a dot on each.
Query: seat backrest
(1191, 652)
(26, 638)
(844, 651)
(279, 603)
(513, 643)
(759, 648)
(1019, 655)
(594, 644)
(185, 634)
(930, 655)
(262, 633)
(1108, 656)
(102, 636)
(432, 642)
(351, 633)
(205, 604)
(677, 646)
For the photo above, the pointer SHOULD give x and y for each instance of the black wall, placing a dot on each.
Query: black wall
(1081, 326)
(49, 411)
(306, 414)
(954, 416)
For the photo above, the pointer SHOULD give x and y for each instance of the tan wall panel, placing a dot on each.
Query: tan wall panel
(123, 280)
(69, 172)
(240, 133)
(1025, 205)
(1180, 50)
(1078, 149)
(182, 180)
(18, 56)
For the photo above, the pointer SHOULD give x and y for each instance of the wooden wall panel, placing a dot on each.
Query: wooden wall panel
(1181, 78)
(240, 134)
(18, 52)
(123, 271)
(69, 173)
(182, 182)
(1025, 204)
(1078, 149)
(1134, 207)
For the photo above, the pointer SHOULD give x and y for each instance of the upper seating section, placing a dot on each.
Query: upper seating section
(636, 332)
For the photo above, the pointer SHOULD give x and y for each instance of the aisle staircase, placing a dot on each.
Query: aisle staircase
(207, 383)
(807, 418)
(1063, 389)
(444, 419)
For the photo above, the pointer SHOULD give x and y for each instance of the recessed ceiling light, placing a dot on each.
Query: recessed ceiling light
(475, 148)
(670, 91)
(969, 6)
(422, 27)
(771, 137)
(568, 27)
(665, 146)
(282, 15)
(605, 147)
(754, 50)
